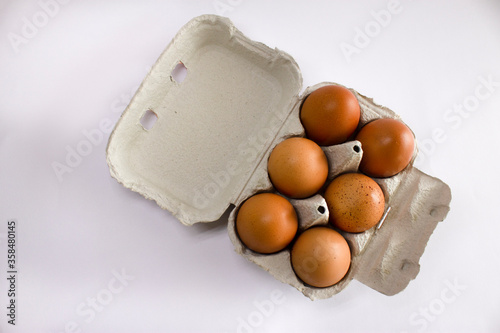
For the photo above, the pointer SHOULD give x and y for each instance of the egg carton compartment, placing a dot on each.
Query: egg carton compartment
(212, 138)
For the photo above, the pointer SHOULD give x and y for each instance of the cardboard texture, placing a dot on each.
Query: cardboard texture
(212, 138)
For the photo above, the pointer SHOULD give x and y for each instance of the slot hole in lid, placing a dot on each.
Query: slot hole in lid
(179, 73)
(356, 148)
(321, 210)
(148, 119)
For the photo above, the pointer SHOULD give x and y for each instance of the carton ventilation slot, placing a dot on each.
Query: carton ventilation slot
(148, 119)
(179, 72)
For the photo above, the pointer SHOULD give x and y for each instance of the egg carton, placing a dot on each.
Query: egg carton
(208, 149)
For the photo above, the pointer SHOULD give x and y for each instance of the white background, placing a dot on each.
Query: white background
(81, 65)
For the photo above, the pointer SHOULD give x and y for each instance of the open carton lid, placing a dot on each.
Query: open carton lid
(212, 129)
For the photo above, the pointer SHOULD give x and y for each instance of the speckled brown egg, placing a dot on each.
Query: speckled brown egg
(297, 167)
(266, 223)
(320, 257)
(355, 201)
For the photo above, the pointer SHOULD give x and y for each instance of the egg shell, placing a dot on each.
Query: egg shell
(330, 115)
(266, 223)
(388, 145)
(209, 146)
(356, 202)
(297, 167)
(320, 257)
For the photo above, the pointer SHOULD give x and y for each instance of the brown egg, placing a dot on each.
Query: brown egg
(320, 257)
(388, 147)
(266, 223)
(355, 201)
(330, 115)
(298, 167)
